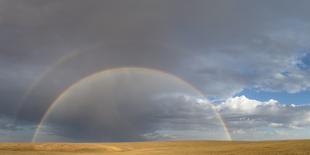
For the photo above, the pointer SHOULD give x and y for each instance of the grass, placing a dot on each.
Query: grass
(294, 147)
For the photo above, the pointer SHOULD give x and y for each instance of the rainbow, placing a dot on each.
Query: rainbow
(60, 61)
(113, 70)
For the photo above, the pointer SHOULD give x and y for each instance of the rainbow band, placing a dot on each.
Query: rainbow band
(49, 70)
(108, 71)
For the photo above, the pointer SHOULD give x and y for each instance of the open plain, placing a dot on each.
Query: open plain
(298, 147)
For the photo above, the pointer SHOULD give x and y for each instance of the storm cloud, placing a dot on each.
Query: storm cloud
(221, 47)
(128, 105)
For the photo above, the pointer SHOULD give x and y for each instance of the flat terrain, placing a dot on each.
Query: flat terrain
(300, 147)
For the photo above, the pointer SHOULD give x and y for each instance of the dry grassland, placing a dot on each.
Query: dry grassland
(299, 147)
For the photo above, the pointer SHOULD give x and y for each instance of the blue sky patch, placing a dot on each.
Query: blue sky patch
(304, 62)
(302, 97)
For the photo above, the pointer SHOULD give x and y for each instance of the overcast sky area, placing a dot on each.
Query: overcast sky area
(251, 59)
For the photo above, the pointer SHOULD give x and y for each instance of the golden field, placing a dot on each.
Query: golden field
(298, 147)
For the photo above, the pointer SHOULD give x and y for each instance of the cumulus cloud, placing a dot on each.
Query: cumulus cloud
(252, 119)
(244, 105)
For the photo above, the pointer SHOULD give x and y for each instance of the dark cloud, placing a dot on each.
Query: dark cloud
(11, 130)
(131, 105)
(221, 47)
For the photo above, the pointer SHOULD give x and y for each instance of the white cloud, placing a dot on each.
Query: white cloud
(253, 119)
(275, 125)
(245, 105)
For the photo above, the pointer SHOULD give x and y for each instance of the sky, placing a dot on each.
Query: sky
(247, 61)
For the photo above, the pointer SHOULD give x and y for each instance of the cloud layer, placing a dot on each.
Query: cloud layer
(246, 119)
(131, 105)
(252, 119)
(221, 47)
